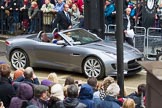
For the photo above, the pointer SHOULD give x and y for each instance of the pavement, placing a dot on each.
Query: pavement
(5, 36)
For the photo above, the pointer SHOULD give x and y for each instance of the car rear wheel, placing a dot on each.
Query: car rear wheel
(19, 59)
(159, 57)
(93, 67)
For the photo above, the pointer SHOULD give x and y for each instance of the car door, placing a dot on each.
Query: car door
(49, 54)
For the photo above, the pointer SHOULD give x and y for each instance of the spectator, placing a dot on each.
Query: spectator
(63, 19)
(47, 7)
(10, 22)
(159, 15)
(57, 91)
(139, 13)
(86, 95)
(1, 104)
(56, 95)
(110, 100)
(5, 5)
(128, 24)
(69, 81)
(65, 90)
(109, 12)
(129, 103)
(71, 101)
(32, 13)
(18, 73)
(80, 4)
(7, 91)
(24, 15)
(59, 6)
(75, 15)
(139, 95)
(70, 3)
(47, 82)
(53, 77)
(16, 4)
(29, 77)
(24, 95)
(92, 81)
(48, 15)
(106, 82)
(40, 96)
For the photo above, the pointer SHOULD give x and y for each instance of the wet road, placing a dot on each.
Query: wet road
(130, 82)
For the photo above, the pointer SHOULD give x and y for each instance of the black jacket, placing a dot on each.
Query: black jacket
(6, 91)
(62, 21)
(70, 103)
(125, 22)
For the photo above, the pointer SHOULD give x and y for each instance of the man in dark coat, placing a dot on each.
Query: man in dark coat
(6, 89)
(128, 23)
(63, 19)
(71, 101)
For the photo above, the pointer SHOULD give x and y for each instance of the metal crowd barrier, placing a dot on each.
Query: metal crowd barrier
(154, 42)
(110, 32)
(44, 22)
(139, 38)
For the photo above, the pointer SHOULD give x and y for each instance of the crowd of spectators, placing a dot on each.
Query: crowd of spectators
(24, 14)
(25, 90)
(29, 15)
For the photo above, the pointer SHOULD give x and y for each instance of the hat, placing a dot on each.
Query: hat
(46, 82)
(18, 73)
(39, 89)
(57, 91)
(113, 90)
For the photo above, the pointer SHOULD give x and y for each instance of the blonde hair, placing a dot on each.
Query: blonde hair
(53, 77)
(129, 103)
(107, 81)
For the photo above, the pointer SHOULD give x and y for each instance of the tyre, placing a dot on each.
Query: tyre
(19, 59)
(159, 57)
(93, 66)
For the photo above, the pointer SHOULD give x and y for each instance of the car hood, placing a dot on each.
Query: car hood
(110, 47)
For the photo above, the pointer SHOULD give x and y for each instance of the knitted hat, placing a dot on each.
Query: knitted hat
(57, 91)
(113, 90)
(46, 82)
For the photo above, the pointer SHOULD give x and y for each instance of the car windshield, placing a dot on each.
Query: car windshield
(81, 37)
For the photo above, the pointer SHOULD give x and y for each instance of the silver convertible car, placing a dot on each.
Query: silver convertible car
(76, 50)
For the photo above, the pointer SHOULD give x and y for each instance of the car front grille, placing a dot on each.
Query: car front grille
(133, 66)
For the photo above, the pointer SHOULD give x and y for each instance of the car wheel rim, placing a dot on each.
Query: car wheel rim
(92, 67)
(18, 60)
(160, 58)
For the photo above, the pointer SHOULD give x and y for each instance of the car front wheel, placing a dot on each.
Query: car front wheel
(159, 57)
(19, 59)
(93, 67)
